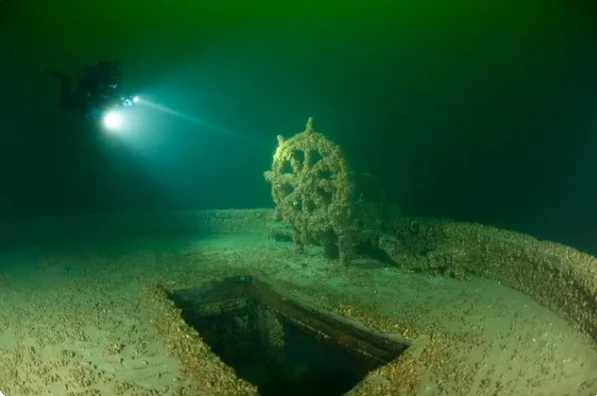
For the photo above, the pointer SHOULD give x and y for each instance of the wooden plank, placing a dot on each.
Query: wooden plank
(373, 347)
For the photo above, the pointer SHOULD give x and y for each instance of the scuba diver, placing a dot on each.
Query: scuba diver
(97, 90)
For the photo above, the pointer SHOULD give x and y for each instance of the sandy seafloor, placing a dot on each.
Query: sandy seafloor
(73, 318)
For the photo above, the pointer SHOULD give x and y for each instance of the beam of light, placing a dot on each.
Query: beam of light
(142, 101)
(186, 117)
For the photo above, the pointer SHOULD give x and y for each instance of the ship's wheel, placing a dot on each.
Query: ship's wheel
(311, 187)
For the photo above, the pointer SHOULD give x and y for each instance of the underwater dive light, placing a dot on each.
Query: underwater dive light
(112, 120)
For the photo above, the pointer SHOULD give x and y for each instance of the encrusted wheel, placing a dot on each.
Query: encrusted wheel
(311, 187)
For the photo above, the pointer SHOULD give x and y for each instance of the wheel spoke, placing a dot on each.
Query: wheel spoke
(308, 159)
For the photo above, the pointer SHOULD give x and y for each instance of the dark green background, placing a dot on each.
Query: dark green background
(474, 110)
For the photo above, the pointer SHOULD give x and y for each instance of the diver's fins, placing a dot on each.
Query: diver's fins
(65, 83)
(63, 77)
